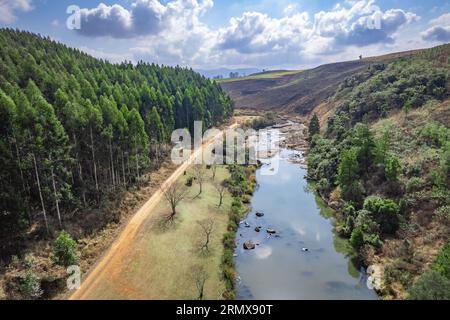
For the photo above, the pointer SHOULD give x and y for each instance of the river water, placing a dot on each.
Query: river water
(279, 268)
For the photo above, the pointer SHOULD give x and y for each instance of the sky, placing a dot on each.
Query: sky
(210, 34)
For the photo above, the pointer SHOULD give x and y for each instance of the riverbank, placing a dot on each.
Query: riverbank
(297, 254)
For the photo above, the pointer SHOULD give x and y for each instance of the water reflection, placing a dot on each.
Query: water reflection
(279, 268)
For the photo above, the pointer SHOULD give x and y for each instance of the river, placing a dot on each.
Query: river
(279, 268)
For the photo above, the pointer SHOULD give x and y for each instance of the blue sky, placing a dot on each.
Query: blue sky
(208, 34)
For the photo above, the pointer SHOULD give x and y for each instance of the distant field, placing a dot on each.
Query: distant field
(262, 75)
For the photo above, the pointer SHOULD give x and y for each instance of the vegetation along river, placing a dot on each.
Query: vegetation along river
(305, 259)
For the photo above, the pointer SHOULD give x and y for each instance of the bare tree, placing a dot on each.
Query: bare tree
(220, 187)
(200, 177)
(214, 170)
(174, 194)
(199, 275)
(207, 227)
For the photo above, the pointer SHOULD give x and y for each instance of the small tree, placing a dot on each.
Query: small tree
(200, 177)
(392, 168)
(220, 187)
(214, 171)
(207, 228)
(406, 109)
(174, 194)
(314, 126)
(65, 250)
(199, 275)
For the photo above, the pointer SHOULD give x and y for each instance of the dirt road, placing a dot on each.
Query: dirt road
(122, 243)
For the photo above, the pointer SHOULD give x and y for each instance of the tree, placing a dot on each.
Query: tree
(385, 212)
(174, 194)
(392, 168)
(200, 177)
(199, 276)
(207, 228)
(314, 126)
(431, 286)
(214, 170)
(220, 187)
(406, 109)
(65, 250)
(362, 139)
(348, 176)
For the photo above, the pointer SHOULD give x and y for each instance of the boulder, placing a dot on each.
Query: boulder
(249, 245)
(259, 214)
(258, 229)
(271, 231)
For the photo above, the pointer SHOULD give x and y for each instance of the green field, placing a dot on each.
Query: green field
(262, 75)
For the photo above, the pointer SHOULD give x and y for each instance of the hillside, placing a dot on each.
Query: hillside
(297, 91)
(382, 160)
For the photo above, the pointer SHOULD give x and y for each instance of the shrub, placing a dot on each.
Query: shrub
(431, 286)
(31, 286)
(414, 184)
(357, 238)
(246, 199)
(64, 250)
(189, 181)
(442, 264)
(443, 215)
(385, 212)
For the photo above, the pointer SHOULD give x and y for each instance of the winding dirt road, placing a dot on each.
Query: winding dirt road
(125, 239)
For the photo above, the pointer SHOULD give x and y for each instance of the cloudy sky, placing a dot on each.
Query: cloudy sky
(209, 34)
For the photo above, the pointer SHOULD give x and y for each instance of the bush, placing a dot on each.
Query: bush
(442, 264)
(189, 181)
(385, 212)
(357, 238)
(246, 199)
(414, 184)
(443, 215)
(64, 250)
(31, 286)
(431, 286)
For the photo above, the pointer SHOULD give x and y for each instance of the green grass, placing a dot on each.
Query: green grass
(264, 75)
(160, 262)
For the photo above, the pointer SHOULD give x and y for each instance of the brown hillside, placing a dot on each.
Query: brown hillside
(298, 92)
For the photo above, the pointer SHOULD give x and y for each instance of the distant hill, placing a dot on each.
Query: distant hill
(225, 72)
(297, 91)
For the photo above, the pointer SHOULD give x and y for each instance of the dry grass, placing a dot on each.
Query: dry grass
(162, 256)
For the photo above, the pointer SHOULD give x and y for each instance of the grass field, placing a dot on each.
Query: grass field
(160, 262)
(262, 75)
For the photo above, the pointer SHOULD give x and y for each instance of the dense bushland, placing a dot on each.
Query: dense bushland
(383, 161)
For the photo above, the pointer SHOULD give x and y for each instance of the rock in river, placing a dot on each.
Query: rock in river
(249, 245)
(271, 231)
(259, 214)
(258, 229)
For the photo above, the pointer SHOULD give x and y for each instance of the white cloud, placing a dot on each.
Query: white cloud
(8, 9)
(439, 30)
(173, 33)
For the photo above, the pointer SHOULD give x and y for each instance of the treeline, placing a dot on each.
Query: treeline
(74, 128)
(380, 179)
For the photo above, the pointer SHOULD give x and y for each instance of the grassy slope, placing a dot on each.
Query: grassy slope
(262, 75)
(297, 91)
(159, 265)
(426, 234)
